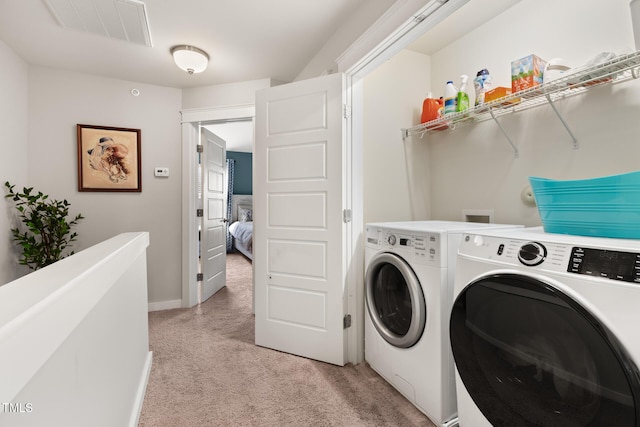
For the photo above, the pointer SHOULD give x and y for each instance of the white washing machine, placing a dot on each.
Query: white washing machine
(408, 294)
(545, 330)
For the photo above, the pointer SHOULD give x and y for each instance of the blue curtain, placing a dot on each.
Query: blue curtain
(230, 167)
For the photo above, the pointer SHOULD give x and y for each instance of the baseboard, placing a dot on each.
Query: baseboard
(164, 305)
(142, 388)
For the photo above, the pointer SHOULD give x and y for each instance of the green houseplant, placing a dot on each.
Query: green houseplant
(48, 230)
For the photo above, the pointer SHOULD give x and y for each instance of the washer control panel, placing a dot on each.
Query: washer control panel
(422, 248)
(394, 239)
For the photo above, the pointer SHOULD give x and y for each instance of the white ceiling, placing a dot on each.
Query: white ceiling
(245, 39)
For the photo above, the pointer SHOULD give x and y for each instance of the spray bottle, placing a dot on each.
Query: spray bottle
(462, 103)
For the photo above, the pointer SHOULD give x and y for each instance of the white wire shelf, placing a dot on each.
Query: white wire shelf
(574, 82)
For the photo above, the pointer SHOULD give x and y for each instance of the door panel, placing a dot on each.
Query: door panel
(303, 259)
(298, 228)
(297, 162)
(289, 115)
(298, 210)
(280, 307)
(214, 250)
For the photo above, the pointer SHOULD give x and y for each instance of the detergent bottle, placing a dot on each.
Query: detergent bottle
(431, 109)
(450, 98)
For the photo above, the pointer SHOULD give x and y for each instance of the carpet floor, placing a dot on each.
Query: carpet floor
(207, 371)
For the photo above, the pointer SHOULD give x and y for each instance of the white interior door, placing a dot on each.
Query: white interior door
(214, 221)
(298, 219)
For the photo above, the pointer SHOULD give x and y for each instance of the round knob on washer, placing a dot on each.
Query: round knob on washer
(391, 239)
(532, 253)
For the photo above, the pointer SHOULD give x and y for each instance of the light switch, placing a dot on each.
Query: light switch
(163, 172)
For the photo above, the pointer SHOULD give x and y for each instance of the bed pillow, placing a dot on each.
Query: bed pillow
(245, 214)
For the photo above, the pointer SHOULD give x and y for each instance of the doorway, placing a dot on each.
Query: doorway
(192, 122)
(221, 146)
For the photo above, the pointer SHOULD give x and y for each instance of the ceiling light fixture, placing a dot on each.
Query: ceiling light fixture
(189, 58)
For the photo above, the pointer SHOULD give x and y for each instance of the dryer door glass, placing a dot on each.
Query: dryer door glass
(530, 355)
(395, 300)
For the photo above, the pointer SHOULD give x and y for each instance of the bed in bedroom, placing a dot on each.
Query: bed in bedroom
(241, 224)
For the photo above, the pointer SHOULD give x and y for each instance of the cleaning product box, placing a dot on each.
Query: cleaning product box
(527, 72)
(499, 93)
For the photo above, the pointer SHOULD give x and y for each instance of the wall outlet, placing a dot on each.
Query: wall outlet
(164, 172)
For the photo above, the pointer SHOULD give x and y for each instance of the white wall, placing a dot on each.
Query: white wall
(59, 100)
(475, 168)
(395, 171)
(231, 94)
(13, 144)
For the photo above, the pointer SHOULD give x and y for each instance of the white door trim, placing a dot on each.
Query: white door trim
(395, 30)
(191, 120)
(403, 23)
(354, 244)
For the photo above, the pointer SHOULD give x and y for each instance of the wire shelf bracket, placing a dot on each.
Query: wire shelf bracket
(555, 110)
(516, 153)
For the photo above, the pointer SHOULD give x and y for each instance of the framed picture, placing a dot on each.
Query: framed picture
(109, 159)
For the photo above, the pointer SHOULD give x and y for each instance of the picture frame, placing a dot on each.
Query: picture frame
(109, 159)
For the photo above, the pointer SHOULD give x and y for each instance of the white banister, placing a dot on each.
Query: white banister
(74, 345)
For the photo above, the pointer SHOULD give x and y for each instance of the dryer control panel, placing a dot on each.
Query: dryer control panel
(558, 256)
(604, 263)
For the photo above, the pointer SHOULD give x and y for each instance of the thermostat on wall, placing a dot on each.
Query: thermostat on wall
(161, 172)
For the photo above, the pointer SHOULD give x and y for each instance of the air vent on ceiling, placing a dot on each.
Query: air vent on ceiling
(118, 19)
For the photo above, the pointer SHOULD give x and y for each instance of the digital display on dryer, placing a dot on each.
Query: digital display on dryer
(614, 265)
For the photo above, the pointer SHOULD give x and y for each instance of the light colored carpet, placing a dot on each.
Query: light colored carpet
(207, 372)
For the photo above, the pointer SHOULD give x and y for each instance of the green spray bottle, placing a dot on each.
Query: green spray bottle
(462, 103)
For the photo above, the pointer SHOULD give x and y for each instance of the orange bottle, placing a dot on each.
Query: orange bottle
(432, 109)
